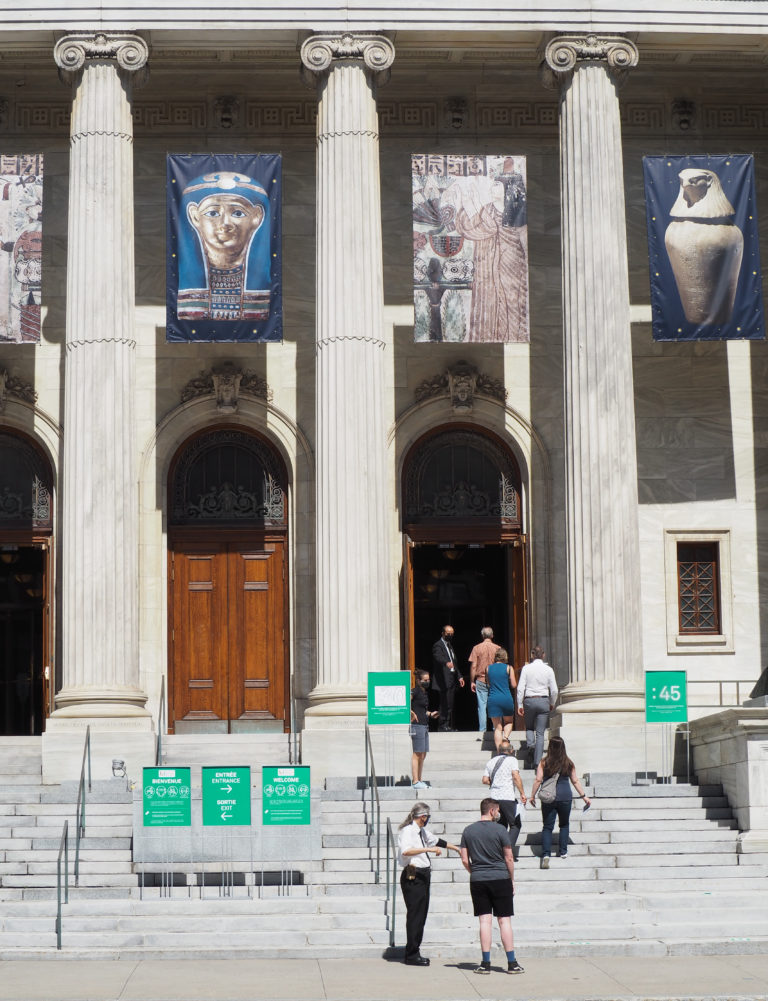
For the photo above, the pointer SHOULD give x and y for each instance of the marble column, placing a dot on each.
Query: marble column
(99, 496)
(354, 631)
(600, 456)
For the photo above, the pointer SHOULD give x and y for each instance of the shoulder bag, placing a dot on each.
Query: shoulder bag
(548, 789)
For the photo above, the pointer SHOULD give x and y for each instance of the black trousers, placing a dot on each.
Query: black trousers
(508, 810)
(447, 698)
(416, 897)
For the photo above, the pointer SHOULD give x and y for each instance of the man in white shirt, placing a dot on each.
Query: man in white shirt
(536, 697)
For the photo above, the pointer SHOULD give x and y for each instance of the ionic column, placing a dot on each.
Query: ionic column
(353, 580)
(600, 460)
(99, 500)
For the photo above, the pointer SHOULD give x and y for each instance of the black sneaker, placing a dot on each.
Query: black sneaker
(484, 967)
(515, 967)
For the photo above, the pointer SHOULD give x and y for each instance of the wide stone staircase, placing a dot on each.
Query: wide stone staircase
(653, 869)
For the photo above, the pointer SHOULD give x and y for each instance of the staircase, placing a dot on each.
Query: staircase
(652, 870)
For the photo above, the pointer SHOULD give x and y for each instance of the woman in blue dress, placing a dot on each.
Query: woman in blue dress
(501, 697)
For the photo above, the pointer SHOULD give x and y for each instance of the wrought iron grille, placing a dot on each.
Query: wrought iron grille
(26, 486)
(228, 477)
(697, 575)
(462, 475)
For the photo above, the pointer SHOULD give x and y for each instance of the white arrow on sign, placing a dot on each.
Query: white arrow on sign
(227, 788)
(225, 816)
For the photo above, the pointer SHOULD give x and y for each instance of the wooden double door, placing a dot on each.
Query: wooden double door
(227, 635)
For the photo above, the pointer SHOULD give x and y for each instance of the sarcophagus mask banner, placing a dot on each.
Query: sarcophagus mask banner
(21, 247)
(470, 248)
(224, 267)
(703, 248)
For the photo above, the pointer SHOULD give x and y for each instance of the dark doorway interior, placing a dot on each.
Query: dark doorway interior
(466, 586)
(21, 640)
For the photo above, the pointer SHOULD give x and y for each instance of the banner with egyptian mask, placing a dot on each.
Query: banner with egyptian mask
(703, 248)
(224, 267)
(470, 248)
(21, 247)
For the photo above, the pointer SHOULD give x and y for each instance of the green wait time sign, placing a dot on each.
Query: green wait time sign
(666, 697)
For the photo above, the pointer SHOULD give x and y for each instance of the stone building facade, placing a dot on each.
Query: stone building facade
(621, 452)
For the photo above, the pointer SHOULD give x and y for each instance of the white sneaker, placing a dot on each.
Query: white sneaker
(545, 861)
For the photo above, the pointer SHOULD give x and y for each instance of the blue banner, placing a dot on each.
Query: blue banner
(224, 253)
(703, 248)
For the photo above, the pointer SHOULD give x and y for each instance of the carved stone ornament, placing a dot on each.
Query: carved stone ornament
(226, 111)
(683, 115)
(319, 51)
(130, 52)
(226, 383)
(564, 52)
(12, 385)
(461, 382)
(457, 113)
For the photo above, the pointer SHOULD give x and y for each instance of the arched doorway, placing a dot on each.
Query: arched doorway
(26, 527)
(227, 602)
(465, 558)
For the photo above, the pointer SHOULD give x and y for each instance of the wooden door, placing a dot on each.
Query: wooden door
(227, 636)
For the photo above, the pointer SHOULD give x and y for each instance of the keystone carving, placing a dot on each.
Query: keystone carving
(12, 385)
(226, 383)
(462, 382)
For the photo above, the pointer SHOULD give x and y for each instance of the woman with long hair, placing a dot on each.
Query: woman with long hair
(501, 700)
(557, 763)
(415, 844)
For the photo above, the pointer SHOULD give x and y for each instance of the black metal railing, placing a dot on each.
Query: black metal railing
(160, 723)
(80, 811)
(63, 850)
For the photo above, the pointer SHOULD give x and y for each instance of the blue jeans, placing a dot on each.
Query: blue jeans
(536, 718)
(481, 691)
(561, 809)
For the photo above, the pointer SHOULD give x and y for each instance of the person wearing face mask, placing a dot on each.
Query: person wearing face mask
(420, 716)
(446, 677)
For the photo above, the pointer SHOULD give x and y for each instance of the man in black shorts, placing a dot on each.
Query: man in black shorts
(486, 852)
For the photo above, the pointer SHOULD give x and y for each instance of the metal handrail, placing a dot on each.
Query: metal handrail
(371, 783)
(391, 880)
(80, 810)
(63, 848)
(160, 722)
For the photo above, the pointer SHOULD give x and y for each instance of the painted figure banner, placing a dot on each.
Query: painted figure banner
(470, 248)
(21, 247)
(224, 268)
(703, 248)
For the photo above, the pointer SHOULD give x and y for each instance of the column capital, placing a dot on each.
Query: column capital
(130, 53)
(564, 52)
(318, 52)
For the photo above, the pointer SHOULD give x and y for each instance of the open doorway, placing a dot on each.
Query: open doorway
(22, 616)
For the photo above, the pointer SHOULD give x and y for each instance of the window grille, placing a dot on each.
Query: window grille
(698, 591)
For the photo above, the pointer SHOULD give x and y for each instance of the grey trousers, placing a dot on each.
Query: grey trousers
(536, 712)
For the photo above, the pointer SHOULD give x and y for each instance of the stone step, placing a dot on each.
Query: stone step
(88, 842)
(86, 880)
(102, 830)
(86, 855)
(14, 794)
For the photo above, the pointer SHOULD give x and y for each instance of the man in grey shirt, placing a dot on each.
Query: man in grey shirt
(486, 853)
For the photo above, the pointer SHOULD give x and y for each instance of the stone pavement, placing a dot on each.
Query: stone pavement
(742, 977)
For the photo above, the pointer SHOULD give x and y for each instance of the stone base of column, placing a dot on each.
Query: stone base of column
(334, 701)
(93, 701)
(130, 738)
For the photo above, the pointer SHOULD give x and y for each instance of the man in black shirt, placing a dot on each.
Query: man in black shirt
(486, 853)
(446, 677)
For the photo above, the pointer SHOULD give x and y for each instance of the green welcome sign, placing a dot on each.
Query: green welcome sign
(167, 797)
(226, 796)
(666, 697)
(389, 697)
(285, 795)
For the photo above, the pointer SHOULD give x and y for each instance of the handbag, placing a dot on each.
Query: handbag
(548, 789)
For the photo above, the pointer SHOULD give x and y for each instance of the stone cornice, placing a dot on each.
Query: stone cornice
(130, 52)
(564, 52)
(319, 52)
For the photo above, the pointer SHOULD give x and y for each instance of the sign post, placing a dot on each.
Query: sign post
(285, 795)
(226, 796)
(167, 799)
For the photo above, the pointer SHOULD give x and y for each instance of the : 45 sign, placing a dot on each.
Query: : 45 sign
(666, 697)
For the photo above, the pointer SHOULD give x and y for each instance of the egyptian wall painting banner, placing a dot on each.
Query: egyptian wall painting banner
(224, 266)
(21, 247)
(470, 248)
(703, 248)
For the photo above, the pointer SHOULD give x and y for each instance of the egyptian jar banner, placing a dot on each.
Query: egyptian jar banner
(224, 268)
(21, 247)
(703, 248)
(470, 248)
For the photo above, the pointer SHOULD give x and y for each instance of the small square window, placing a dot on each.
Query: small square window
(698, 577)
(699, 600)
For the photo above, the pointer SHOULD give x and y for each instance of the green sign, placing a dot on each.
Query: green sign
(285, 795)
(226, 796)
(389, 697)
(666, 697)
(167, 797)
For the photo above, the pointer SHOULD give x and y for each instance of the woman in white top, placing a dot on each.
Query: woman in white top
(415, 844)
(502, 774)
